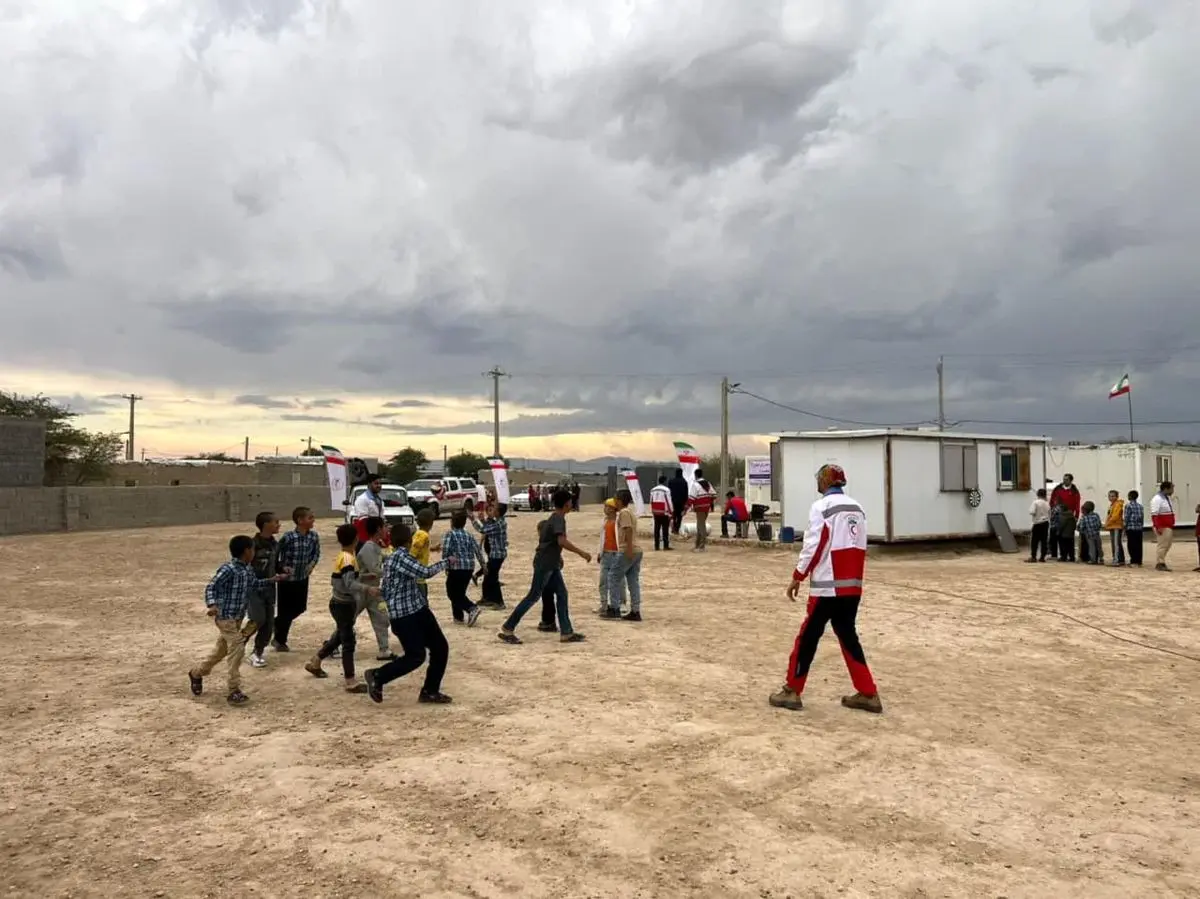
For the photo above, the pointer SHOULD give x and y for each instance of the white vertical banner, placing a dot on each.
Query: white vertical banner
(335, 470)
(500, 479)
(635, 487)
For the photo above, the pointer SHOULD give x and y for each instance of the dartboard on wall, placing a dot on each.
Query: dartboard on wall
(974, 498)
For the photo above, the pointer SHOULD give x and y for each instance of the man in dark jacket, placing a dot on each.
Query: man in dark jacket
(678, 486)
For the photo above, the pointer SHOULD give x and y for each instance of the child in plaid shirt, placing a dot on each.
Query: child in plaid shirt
(227, 596)
(1091, 548)
(299, 552)
(462, 547)
(413, 623)
(494, 529)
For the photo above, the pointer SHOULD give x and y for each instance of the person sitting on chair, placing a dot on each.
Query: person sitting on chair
(735, 511)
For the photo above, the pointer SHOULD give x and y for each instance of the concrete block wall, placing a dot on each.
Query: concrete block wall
(39, 510)
(22, 452)
(154, 474)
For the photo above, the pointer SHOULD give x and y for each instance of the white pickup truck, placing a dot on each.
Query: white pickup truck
(445, 494)
(396, 508)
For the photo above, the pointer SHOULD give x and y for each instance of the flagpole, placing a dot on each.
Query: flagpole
(1129, 396)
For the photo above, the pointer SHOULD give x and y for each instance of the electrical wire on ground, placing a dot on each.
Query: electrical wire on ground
(1042, 609)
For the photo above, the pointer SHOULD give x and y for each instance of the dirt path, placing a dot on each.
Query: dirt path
(1021, 755)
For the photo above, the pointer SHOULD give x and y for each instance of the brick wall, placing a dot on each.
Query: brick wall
(36, 510)
(22, 452)
(155, 474)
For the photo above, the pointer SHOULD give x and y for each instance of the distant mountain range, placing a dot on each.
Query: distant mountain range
(586, 466)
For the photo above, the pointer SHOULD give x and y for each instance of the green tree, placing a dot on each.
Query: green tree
(311, 451)
(465, 465)
(215, 457)
(711, 466)
(90, 454)
(405, 466)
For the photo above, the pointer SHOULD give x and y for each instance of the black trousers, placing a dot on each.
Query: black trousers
(420, 637)
(262, 613)
(1039, 540)
(343, 614)
(457, 582)
(293, 602)
(662, 531)
(1133, 541)
(1066, 546)
(840, 612)
(677, 518)
(491, 582)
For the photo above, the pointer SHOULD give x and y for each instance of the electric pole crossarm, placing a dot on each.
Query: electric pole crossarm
(133, 401)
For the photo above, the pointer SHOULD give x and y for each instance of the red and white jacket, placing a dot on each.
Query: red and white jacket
(834, 556)
(701, 499)
(1162, 512)
(660, 500)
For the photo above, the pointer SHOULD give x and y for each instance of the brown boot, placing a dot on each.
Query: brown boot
(786, 698)
(863, 703)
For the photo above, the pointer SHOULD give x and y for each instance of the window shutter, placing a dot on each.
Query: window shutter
(952, 467)
(1024, 478)
(776, 471)
(970, 467)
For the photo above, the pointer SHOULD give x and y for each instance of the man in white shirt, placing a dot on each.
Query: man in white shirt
(369, 504)
(1162, 517)
(1039, 535)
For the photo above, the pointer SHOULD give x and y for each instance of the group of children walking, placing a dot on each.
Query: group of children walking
(264, 587)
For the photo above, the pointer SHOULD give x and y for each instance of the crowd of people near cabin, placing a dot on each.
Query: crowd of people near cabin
(1067, 528)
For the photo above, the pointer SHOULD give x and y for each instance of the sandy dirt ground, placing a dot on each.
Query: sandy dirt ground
(1021, 754)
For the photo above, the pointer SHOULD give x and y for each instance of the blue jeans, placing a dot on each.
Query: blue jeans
(1118, 548)
(543, 577)
(621, 574)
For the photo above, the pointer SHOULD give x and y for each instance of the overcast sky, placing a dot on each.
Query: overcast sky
(283, 218)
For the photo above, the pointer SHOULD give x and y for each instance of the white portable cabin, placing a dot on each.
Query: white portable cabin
(1123, 467)
(915, 485)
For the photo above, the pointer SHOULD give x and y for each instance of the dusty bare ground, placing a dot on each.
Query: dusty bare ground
(1021, 755)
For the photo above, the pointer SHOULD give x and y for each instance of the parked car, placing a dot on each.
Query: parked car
(518, 500)
(396, 508)
(443, 494)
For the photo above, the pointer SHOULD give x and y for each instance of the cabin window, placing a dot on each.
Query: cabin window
(1012, 468)
(1162, 469)
(960, 467)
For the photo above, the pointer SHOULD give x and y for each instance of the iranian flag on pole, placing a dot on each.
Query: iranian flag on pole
(689, 459)
(335, 469)
(1120, 388)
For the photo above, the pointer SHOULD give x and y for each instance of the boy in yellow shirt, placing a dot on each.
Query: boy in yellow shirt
(1114, 523)
(422, 546)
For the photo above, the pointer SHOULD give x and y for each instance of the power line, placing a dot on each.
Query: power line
(822, 417)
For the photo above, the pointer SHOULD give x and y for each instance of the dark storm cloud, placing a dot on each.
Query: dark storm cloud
(262, 402)
(817, 200)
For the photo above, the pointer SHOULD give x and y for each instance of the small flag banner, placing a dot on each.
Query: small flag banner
(689, 459)
(335, 470)
(1120, 388)
(500, 479)
(635, 487)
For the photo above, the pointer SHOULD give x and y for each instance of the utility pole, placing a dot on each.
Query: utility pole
(941, 372)
(495, 374)
(133, 399)
(246, 451)
(445, 456)
(726, 389)
(309, 444)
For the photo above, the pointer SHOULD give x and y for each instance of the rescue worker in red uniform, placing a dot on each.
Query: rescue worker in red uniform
(833, 561)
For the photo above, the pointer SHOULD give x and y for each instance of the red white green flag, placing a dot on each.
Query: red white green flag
(1120, 388)
(689, 459)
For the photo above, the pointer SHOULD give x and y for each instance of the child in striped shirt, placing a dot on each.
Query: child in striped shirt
(347, 591)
